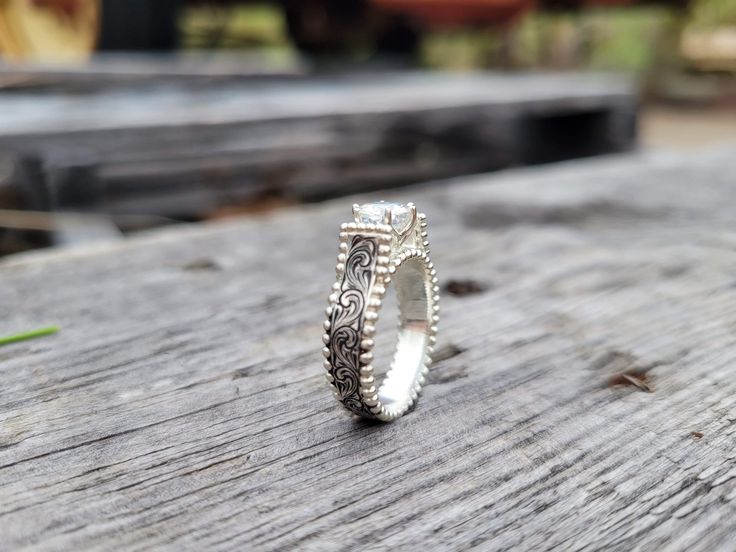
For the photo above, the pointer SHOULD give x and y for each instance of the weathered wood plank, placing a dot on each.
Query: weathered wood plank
(182, 406)
(182, 152)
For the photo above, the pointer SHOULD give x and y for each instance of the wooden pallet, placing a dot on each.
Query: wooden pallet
(184, 152)
(583, 397)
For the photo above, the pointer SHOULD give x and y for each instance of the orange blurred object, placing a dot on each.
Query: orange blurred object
(68, 8)
(48, 30)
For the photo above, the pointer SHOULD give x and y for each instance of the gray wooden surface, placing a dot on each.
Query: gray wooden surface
(585, 396)
(185, 151)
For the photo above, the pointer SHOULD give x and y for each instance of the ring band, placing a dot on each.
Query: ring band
(386, 243)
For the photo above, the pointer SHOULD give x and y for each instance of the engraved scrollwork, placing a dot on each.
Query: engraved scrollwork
(346, 325)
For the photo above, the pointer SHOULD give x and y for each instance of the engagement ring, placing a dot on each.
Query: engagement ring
(387, 244)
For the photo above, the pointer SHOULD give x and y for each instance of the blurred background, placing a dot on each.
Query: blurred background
(118, 116)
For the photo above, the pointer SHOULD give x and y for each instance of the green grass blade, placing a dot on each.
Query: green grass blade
(32, 334)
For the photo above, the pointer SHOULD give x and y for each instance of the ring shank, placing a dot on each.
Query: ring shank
(367, 264)
(413, 294)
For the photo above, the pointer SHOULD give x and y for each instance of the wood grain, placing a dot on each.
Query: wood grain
(183, 406)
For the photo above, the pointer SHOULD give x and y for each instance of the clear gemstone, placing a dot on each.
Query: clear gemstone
(373, 213)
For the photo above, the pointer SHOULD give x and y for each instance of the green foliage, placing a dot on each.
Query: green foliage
(627, 38)
(459, 49)
(713, 13)
(236, 26)
(624, 39)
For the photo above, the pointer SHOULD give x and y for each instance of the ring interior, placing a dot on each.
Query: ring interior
(412, 292)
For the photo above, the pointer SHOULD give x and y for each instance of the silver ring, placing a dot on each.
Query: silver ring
(386, 243)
